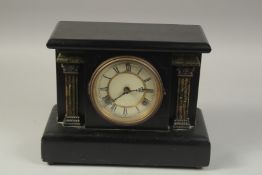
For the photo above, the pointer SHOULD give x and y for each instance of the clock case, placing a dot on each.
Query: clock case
(76, 134)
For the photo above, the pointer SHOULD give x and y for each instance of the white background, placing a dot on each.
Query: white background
(230, 86)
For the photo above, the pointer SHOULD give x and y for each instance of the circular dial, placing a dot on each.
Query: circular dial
(126, 90)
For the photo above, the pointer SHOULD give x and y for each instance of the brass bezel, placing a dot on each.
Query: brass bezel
(137, 119)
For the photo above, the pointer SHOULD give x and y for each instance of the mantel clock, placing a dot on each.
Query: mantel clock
(127, 95)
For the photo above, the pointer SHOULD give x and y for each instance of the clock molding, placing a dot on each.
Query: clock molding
(170, 134)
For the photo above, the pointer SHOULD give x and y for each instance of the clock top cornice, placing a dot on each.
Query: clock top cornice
(128, 36)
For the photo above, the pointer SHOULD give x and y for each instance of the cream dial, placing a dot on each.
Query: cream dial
(126, 90)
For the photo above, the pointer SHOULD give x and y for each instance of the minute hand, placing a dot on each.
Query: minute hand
(119, 96)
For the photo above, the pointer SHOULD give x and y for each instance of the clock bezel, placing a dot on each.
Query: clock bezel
(104, 113)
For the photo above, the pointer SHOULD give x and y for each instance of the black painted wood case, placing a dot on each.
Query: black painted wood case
(174, 50)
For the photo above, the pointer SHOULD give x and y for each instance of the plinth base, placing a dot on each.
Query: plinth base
(68, 145)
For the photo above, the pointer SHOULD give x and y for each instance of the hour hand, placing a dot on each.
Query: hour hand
(144, 90)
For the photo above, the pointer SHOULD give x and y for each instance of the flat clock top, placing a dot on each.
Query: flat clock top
(128, 36)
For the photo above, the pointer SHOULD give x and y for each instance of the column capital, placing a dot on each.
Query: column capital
(70, 68)
(69, 59)
(188, 61)
(185, 71)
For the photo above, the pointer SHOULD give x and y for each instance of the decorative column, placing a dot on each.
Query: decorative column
(70, 66)
(185, 68)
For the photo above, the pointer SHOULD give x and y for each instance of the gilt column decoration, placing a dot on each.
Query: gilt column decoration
(70, 66)
(185, 70)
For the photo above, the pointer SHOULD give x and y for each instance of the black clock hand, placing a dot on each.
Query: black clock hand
(148, 90)
(142, 90)
(119, 96)
(126, 91)
(138, 90)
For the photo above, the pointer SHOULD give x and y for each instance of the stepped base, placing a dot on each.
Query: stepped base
(72, 121)
(182, 124)
(69, 145)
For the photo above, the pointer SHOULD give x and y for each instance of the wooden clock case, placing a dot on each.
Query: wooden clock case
(174, 136)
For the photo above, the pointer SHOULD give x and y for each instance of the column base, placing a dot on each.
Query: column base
(182, 124)
(73, 121)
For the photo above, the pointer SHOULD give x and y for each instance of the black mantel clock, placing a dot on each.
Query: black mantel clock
(127, 95)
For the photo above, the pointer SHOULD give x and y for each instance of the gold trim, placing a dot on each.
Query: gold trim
(136, 119)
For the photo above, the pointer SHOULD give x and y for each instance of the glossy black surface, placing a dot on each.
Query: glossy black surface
(128, 36)
(126, 147)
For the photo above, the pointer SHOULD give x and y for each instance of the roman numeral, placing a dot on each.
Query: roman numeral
(125, 111)
(146, 80)
(107, 99)
(107, 77)
(113, 107)
(104, 89)
(139, 71)
(116, 69)
(145, 101)
(128, 67)
(137, 109)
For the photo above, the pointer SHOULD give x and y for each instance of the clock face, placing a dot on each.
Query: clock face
(126, 90)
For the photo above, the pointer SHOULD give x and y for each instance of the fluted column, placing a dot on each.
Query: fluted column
(185, 70)
(70, 66)
(71, 86)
